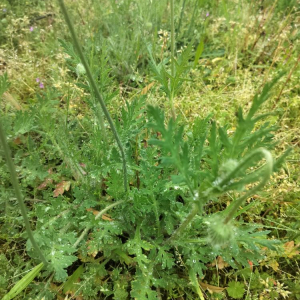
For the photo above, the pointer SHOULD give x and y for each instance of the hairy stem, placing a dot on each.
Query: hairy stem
(184, 224)
(287, 79)
(15, 184)
(233, 207)
(172, 57)
(172, 39)
(95, 88)
(267, 173)
(156, 214)
(258, 152)
(180, 19)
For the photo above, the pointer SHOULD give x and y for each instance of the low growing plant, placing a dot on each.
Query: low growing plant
(162, 232)
(153, 235)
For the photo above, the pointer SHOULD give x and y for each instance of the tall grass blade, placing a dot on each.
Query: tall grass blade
(23, 283)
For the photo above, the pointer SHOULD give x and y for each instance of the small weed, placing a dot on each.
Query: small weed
(119, 200)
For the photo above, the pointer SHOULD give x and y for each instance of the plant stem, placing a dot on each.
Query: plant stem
(172, 39)
(258, 152)
(233, 207)
(172, 57)
(97, 217)
(184, 224)
(193, 18)
(180, 19)
(287, 79)
(95, 88)
(15, 184)
(75, 167)
(268, 172)
(156, 214)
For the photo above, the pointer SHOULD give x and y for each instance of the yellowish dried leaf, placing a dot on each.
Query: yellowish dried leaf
(220, 263)
(211, 288)
(104, 216)
(290, 249)
(147, 88)
(274, 265)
